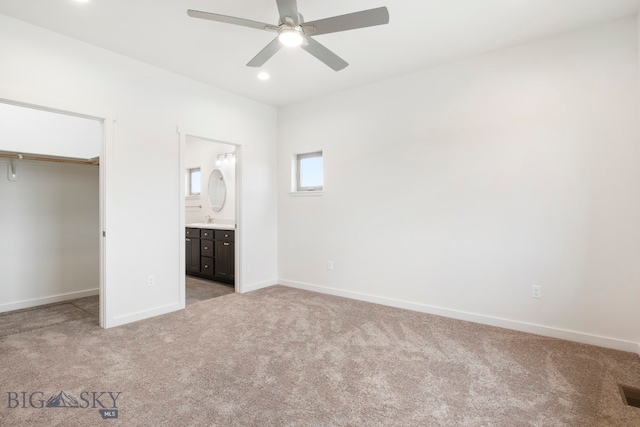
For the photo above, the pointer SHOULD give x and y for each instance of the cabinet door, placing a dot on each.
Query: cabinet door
(193, 255)
(222, 259)
(225, 260)
(231, 265)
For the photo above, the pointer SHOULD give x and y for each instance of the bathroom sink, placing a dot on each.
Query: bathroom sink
(212, 226)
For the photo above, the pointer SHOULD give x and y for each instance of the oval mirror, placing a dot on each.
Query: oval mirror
(217, 190)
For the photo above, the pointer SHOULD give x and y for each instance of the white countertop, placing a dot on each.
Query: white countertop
(212, 226)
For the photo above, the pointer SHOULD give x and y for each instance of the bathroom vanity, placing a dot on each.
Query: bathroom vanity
(210, 251)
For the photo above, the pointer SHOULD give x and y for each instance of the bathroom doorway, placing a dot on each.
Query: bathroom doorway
(210, 203)
(51, 181)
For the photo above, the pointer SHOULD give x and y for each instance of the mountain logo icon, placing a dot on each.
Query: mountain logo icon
(62, 400)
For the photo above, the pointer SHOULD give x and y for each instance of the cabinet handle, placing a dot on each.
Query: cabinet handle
(188, 240)
(206, 247)
(226, 235)
(226, 244)
(206, 266)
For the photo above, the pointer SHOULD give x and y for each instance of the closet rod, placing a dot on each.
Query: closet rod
(42, 158)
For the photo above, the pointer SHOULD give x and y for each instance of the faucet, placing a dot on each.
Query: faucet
(209, 219)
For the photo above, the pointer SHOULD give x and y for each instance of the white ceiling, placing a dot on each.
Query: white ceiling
(421, 34)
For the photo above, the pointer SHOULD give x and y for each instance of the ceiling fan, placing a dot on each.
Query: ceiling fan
(293, 31)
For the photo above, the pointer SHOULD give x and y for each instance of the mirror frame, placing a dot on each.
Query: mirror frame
(215, 179)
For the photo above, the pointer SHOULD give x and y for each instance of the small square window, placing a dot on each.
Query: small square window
(194, 184)
(309, 174)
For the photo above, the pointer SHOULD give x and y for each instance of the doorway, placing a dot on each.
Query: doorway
(210, 223)
(51, 192)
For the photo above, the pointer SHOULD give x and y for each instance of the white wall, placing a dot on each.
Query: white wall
(49, 223)
(638, 32)
(454, 190)
(142, 164)
(28, 130)
(200, 153)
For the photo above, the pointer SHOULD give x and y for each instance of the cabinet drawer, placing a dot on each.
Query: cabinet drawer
(225, 235)
(206, 248)
(206, 234)
(206, 266)
(194, 233)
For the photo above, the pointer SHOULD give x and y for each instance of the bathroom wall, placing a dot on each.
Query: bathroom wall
(49, 228)
(200, 153)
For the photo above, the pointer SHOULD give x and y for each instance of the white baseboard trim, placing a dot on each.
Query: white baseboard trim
(158, 311)
(141, 315)
(255, 286)
(546, 331)
(47, 300)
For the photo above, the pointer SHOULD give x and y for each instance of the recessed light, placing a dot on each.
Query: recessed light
(263, 75)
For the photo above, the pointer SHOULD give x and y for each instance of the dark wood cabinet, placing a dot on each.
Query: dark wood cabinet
(211, 254)
(207, 262)
(193, 251)
(206, 248)
(225, 260)
(225, 255)
(206, 267)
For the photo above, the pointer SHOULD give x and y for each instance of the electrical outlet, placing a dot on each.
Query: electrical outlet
(329, 265)
(536, 292)
(151, 280)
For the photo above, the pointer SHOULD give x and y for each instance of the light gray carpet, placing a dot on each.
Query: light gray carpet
(52, 314)
(90, 305)
(28, 319)
(286, 357)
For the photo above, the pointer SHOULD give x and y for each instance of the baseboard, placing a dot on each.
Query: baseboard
(141, 315)
(546, 331)
(47, 300)
(158, 311)
(256, 286)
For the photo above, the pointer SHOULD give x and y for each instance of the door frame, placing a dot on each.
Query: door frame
(107, 122)
(183, 135)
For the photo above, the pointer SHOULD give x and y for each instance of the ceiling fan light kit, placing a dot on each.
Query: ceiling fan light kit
(293, 31)
(291, 37)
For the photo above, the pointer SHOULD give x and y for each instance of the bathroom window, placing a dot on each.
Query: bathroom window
(309, 172)
(194, 182)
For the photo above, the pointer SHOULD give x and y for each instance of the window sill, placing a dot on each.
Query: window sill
(305, 193)
(192, 197)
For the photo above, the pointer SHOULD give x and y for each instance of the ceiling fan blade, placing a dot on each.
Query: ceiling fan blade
(350, 21)
(325, 55)
(288, 8)
(230, 20)
(265, 54)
